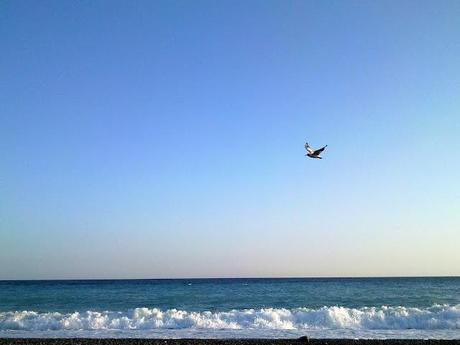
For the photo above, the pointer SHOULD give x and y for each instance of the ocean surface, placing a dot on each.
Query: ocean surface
(228, 308)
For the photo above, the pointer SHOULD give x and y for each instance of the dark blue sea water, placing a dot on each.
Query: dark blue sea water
(333, 307)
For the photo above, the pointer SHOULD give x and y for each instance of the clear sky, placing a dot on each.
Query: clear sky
(144, 139)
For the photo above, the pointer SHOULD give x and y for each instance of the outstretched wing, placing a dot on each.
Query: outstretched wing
(308, 148)
(317, 152)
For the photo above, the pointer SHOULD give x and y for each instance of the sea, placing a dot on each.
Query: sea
(233, 308)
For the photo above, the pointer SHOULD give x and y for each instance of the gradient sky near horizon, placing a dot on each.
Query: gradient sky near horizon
(155, 139)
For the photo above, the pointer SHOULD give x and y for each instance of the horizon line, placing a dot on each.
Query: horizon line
(234, 278)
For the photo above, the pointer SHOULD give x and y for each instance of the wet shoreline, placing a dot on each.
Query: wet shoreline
(301, 341)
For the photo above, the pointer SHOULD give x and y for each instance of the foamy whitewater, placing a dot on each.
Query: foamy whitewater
(435, 321)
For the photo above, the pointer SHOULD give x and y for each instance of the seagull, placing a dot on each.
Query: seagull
(314, 153)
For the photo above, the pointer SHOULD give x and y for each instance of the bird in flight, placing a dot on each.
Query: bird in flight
(314, 153)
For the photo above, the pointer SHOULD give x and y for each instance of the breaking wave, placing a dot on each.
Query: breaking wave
(442, 317)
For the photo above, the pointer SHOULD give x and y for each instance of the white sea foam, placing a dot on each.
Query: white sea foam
(438, 317)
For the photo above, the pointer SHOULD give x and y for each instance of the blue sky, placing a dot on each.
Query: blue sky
(165, 138)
